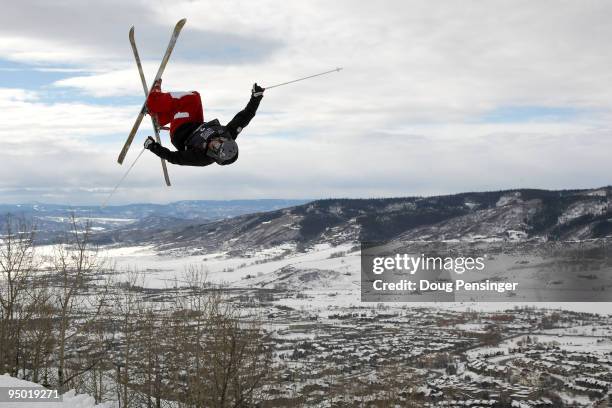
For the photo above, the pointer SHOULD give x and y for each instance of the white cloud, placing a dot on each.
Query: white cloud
(402, 118)
(31, 122)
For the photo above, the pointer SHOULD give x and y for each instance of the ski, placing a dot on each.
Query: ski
(143, 111)
(145, 89)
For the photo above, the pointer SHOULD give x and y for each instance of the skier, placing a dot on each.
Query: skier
(198, 143)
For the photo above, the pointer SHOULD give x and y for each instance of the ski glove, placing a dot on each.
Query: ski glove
(149, 141)
(257, 91)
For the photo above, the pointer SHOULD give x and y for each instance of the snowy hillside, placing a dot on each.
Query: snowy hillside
(134, 221)
(502, 215)
(314, 248)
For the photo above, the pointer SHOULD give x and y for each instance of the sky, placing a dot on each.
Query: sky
(434, 98)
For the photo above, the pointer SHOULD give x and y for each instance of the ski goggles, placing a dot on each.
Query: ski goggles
(222, 149)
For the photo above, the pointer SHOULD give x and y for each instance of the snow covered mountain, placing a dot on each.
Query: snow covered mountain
(247, 224)
(507, 215)
(51, 219)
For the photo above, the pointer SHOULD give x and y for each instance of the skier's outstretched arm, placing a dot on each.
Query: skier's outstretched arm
(182, 158)
(243, 118)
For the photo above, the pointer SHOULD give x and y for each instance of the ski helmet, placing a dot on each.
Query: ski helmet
(223, 150)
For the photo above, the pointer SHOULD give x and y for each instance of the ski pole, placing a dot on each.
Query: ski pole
(301, 79)
(122, 178)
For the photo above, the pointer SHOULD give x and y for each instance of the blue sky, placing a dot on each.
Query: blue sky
(25, 76)
(521, 114)
(434, 98)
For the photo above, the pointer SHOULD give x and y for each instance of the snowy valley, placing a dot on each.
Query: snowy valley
(290, 279)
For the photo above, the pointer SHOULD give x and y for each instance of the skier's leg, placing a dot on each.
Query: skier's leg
(187, 109)
(159, 105)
